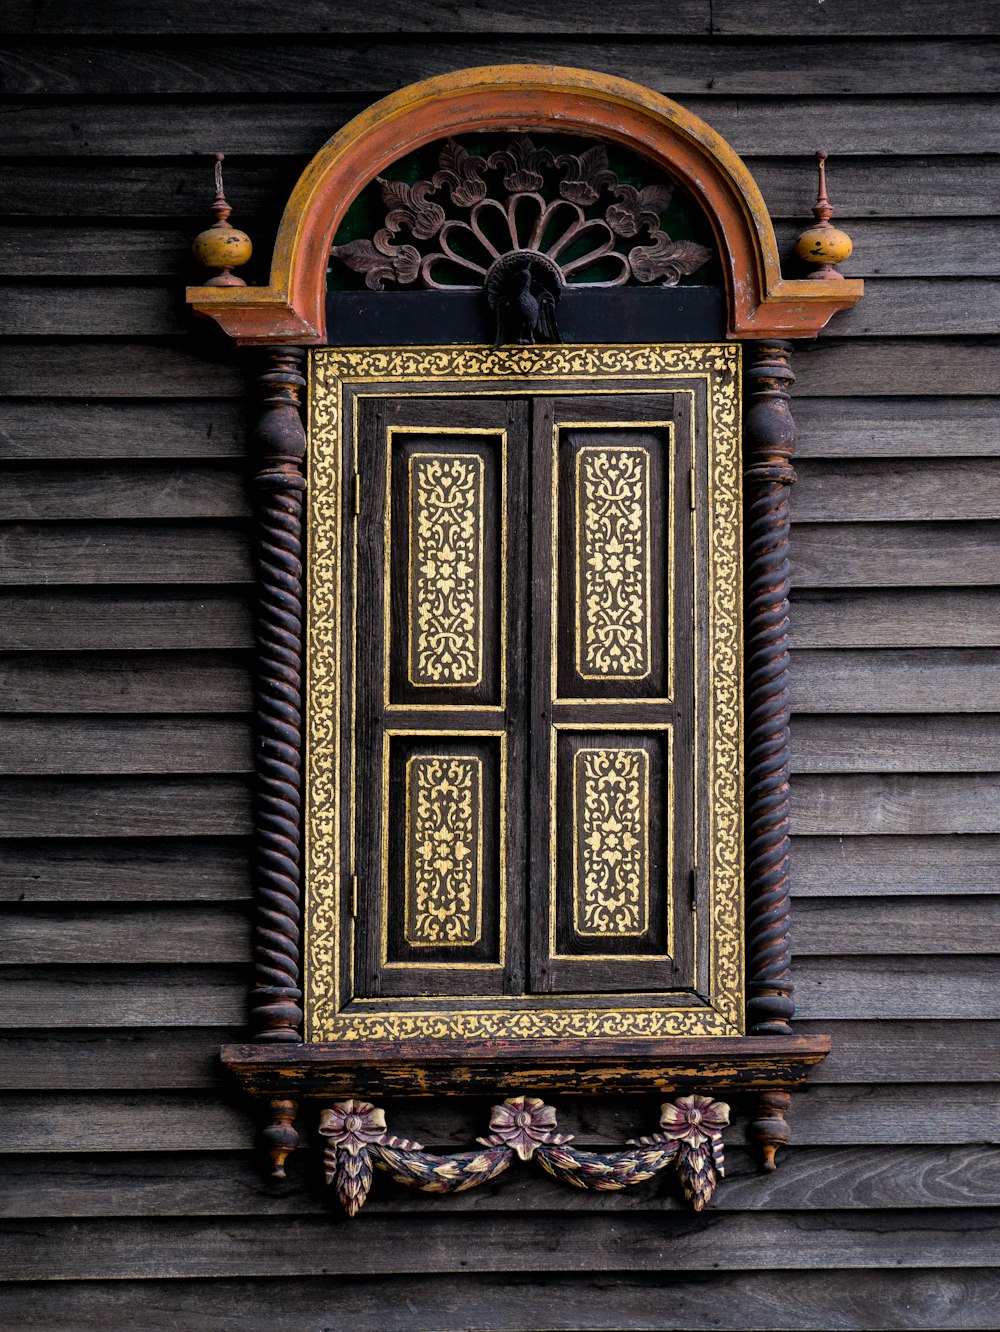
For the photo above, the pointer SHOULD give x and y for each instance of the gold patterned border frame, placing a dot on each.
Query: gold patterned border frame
(525, 370)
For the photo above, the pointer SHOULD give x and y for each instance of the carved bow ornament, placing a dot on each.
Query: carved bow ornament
(524, 1127)
(459, 231)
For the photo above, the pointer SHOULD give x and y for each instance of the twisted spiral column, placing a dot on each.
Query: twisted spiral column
(276, 1013)
(769, 447)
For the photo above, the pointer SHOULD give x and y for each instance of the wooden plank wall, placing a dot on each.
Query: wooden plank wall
(130, 1193)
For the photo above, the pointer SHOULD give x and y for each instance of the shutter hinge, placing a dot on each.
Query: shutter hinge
(694, 888)
(694, 502)
(357, 493)
(354, 897)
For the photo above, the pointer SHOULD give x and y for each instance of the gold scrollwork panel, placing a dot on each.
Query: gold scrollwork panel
(444, 851)
(612, 846)
(611, 843)
(443, 854)
(445, 551)
(445, 573)
(614, 495)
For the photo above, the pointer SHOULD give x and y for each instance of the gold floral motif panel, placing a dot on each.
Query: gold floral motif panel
(444, 850)
(613, 608)
(445, 570)
(709, 373)
(611, 842)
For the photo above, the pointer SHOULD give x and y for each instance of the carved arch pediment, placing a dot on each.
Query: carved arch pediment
(760, 302)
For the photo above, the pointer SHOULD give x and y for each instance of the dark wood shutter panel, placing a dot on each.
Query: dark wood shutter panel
(525, 769)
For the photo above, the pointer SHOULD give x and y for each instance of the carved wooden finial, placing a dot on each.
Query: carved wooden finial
(221, 245)
(823, 244)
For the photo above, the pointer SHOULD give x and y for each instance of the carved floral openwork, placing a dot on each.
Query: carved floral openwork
(451, 232)
(525, 1128)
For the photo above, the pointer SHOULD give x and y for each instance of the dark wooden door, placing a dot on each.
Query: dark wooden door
(524, 804)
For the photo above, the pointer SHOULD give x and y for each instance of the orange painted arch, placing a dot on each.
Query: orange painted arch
(292, 308)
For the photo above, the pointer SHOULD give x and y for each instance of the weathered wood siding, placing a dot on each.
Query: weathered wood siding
(126, 746)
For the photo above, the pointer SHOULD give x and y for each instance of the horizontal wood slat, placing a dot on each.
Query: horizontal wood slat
(99, 934)
(319, 16)
(906, 1051)
(124, 996)
(957, 925)
(892, 987)
(863, 865)
(856, 554)
(935, 680)
(141, 807)
(897, 367)
(891, 554)
(923, 427)
(855, 17)
(57, 746)
(582, 1242)
(124, 490)
(32, 553)
(915, 18)
(54, 430)
(84, 309)
(851, 805)
(110, 370)
(891, 367)
(78, 619)
(147, 682)
(957, 742)
(862, 1301)
(944, 680)
(207, 428)
(882, 490)
(211, 1185)
(336, 63)
(182, 869)
(125, 1059)
(905, 617)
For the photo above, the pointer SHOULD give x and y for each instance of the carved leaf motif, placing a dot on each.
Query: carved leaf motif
(585, 175)
(667, 260)
(461, 173)
(523, 164)
(409, 207)
(546, 204)
(380, 260)
(638, 208)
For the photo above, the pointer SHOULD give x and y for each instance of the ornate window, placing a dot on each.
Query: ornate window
(523, 806)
